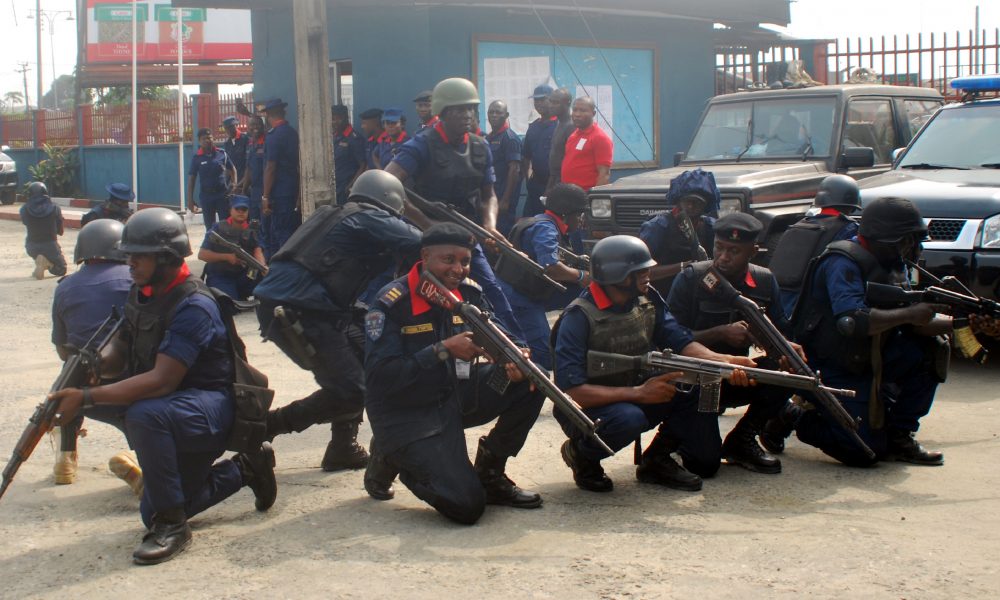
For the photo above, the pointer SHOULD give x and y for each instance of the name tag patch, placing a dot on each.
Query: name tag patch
(421, 328)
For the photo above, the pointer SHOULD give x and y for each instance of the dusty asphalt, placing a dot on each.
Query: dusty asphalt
(818, 529)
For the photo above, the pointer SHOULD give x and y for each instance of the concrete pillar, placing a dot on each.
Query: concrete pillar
(312, 86)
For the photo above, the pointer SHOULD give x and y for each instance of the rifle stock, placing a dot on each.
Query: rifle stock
(73, 374)
(503, 352)
(773, 343)
(438, 211)
(576, 261)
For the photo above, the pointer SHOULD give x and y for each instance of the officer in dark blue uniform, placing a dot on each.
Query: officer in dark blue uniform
(216, 174)
(82, 301)
(424, 387)
(717, 326)
(279, 202)
(175, 402)
(348, 151)
(422, 104)
(619, 312)
(826, 222)
(316, 280)
(840, 331)
(540, 237)
(506, 148)
(115, 207)
(451, 165)
(692, 193)
(253, 180)
(43, 221)
(371, 128)
(236, 145)
(392, 139)
(535, 154)
(223, 269)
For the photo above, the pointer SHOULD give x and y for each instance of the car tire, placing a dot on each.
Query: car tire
(8, 196)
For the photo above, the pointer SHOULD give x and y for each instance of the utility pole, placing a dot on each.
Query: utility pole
(50, 17)
(23, 69)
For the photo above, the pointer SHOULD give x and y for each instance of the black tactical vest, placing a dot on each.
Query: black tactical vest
(712, 312)
(147, 322)
(454, 177)
(801, 243)
(628, 333)
(532, 288)
(343, 277)
(814, 323)
(236, 235)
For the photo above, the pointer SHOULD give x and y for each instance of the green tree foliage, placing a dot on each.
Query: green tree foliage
(58, 171)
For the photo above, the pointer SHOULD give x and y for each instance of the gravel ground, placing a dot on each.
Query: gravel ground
(818, 529)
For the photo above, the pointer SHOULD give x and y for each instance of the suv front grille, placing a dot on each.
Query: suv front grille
(631, 213)
(945, 230)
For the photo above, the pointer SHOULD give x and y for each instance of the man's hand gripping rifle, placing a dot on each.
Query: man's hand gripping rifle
(253, 265)
(503, 352)
(76, 372)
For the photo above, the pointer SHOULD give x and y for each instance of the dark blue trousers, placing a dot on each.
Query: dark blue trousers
(279, 225)
(177, 439)
(214, 207)
(908, 387)
(482, 273)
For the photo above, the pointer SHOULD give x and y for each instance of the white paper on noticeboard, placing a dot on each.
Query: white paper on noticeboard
(513, 80)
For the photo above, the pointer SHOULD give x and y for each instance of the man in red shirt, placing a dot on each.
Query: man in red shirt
(588, 150)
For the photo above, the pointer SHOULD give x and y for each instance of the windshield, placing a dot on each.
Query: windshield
(765, 128)
(960, 138)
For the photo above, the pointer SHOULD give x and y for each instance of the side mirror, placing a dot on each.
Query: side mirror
(678, 157)
(857, 158)
(896, 154)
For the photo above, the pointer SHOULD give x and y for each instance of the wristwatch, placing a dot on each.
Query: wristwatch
(88, 398)
(441, 352)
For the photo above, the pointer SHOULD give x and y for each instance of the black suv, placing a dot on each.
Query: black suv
(770, 149)
(951, 171)
(8, 179)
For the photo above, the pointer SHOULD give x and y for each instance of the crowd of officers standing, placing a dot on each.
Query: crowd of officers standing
(343, 298)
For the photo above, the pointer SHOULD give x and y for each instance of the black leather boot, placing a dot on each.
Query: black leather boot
(657, 466)
(904, 447)
(257, 470)
(741, 448)
(588, 474)
(276, 424)
(499, 488)
(167, 537)
(379, 475)
(344, 451)
(778, 428)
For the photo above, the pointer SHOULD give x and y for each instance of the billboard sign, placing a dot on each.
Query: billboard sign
(209, 35)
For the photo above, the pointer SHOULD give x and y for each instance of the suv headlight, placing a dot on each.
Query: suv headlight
(991, 232)
(729, 205)
(600, 208)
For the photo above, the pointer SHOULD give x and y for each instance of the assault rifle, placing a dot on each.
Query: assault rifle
(698, 371)
(518, 261)
(503, 352)
(687, 230)
(76, 371)
(253, 265)
(957, 304)
(769, 339)
(576, 261)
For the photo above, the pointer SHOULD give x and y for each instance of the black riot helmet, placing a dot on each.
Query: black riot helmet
(36, 189)
(99, 240)
(615, 258)
(838, 191)
(155, 231)
(566, 199)
(889, 220)
(378, 187)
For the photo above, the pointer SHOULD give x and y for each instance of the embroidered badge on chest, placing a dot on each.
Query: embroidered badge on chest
(374, 324)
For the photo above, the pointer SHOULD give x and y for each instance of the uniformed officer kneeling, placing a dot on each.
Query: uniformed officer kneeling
(620, 312)
(424, 387)
(175, 402)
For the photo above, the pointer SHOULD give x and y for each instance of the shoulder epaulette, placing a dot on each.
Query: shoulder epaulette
(391, 294)
(468, 281)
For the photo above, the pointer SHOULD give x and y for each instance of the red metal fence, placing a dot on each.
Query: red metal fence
(931, 60)
(91, 125)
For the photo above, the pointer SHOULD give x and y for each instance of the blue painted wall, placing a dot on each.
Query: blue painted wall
(101, 165)
(392, 64)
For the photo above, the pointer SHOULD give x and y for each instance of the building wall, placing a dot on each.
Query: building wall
(396, 55)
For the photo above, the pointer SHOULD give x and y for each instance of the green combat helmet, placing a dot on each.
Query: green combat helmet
(454, 91)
